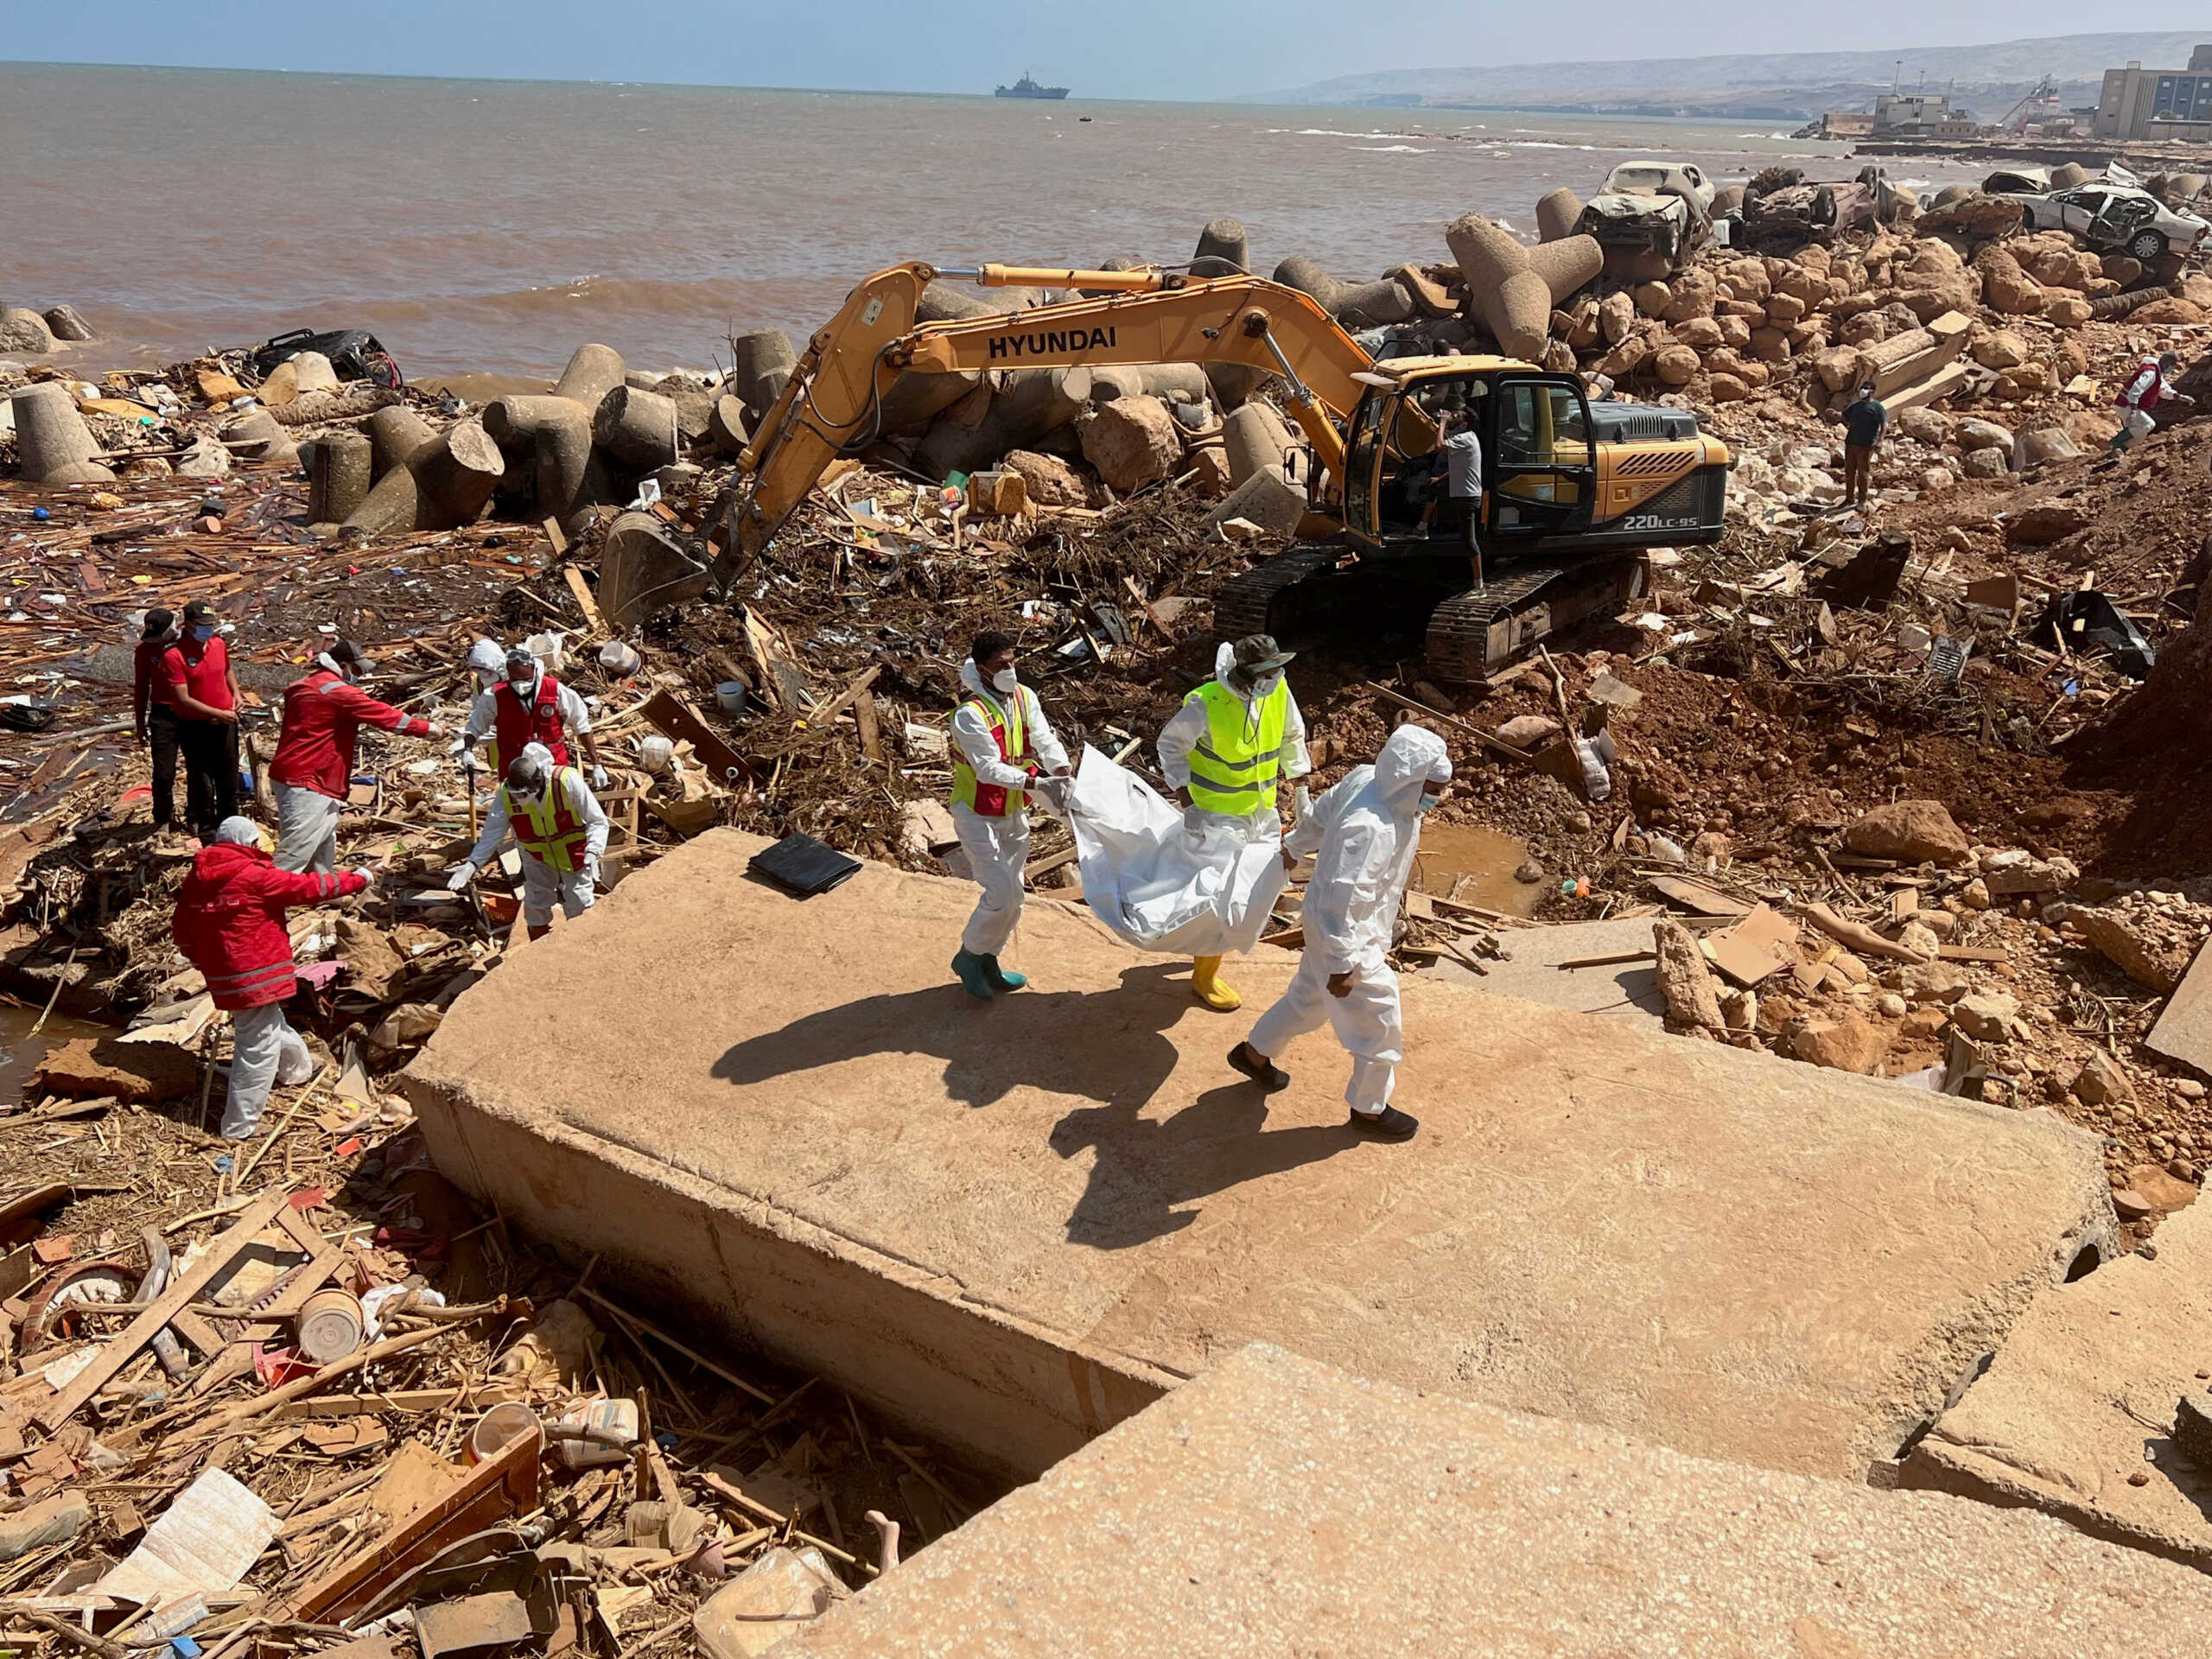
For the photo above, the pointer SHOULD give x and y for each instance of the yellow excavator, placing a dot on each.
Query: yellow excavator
(1572, 491)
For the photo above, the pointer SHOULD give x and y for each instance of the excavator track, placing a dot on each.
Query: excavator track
(1472, 635)
(1247, 604)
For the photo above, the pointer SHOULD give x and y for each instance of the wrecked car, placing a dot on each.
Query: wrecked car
(1795, 212)
(1659, 207)
(2104, 216)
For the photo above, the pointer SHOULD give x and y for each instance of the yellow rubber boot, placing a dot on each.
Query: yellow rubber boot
(1206, 985)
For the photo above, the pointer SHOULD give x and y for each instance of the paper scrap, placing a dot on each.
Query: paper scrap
(203, 1544)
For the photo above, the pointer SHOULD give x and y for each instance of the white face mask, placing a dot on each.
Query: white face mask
(1265, 685)
(525, 799)
(1004, 681)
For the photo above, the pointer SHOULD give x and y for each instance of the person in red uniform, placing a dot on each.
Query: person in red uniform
(202, 687)
(323, 716)
(529, 706)
(229, 925)
(152, 714)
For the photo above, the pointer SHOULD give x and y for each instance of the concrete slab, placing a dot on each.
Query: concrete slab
(1277, 1506)
(1531, 969)
(1015, 1224)
(2080, 1399)
(2184, 1029)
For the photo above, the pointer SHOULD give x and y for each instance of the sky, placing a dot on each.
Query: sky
(1104, 49)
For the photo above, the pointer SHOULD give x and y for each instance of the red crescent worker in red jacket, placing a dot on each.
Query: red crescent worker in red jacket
(229, 925)
(323, 716)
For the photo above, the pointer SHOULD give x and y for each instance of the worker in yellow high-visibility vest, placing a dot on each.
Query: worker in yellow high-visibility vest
(1002, 744)
(1232, 743)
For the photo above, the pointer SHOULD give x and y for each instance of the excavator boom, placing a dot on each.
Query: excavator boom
(834, 400)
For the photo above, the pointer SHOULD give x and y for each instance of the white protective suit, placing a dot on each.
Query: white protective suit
(997, 848)
(1365, 832)
(576, 890)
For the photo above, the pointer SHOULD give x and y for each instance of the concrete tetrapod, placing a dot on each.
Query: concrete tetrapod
(1556, 212)
(639, 429)
(395, 433)
(593, 371)
(1030, 404)
(1514, 286)
(915, 400)
(63, 322)
(1255, 439)
(338, 477)
(52, 444)
(443, 484)
(1356, 305)
(552, 437)
(761, 360)
(1224, 248)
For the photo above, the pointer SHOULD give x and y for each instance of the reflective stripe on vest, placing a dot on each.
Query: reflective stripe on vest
(1235, 766)
(550, 831)
(991, 800)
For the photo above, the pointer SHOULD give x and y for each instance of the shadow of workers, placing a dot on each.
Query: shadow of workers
(1103, 1045)
(1144, 1168)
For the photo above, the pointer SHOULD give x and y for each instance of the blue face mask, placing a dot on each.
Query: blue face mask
(203, 633)
(1430, 802)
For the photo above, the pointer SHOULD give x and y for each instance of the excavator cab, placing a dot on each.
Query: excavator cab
(1540, 472)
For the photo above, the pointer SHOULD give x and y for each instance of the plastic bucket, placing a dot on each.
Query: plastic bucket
(500, 1427)
(732, 695)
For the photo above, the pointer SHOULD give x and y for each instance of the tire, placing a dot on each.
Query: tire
(2147, 246)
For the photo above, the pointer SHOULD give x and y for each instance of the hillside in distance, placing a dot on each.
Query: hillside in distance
(1777, 85)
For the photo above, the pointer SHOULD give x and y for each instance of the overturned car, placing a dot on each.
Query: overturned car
(1782, 209)
(1650, 217)
(2109, 215)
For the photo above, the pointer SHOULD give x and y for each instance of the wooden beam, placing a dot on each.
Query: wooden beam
(678, 721)
(181, 1294)
(1452, 720)
(585, 602)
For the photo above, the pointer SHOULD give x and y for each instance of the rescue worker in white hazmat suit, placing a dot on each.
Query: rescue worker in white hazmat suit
(1365, 832)
(560, 827)
(1231, 742)
(1002, 741)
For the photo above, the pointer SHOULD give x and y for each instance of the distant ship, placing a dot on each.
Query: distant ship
(1026, 87)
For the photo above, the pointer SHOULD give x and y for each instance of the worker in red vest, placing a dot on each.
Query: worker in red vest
(1002, 741)
(229, 925)
(561, 829)
(313, 767)
(529, 706)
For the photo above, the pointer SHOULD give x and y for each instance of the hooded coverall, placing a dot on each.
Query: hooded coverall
(997, 843)
(1365, 832)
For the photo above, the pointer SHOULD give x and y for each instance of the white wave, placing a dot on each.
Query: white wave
(1390, 150)
(1331, 132)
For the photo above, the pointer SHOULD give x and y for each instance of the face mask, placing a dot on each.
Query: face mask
(1004, 681)
(1430, 802)
(522, 684)
(525, 799)
(203, 633)
(1265, 684)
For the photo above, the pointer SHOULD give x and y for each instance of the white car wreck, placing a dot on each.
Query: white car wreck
(1662, 206)
(2104, 215)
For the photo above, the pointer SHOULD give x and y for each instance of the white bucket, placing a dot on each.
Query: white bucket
(619, 659)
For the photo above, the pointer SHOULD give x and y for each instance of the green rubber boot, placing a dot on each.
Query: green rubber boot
(975, 974)
(1003, 979)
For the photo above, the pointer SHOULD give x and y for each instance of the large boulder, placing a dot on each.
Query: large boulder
(2005, 286)
(2001, 349)
(1974, 433)
(1050, 482)
(139, 1074)
(1935, 280)
(1692, 992)
(1847, 1043)
(1133, 442)
(23, 330)
(1912, 832)
(2044, 523)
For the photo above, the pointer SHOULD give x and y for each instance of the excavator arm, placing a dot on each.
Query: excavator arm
(834, 400)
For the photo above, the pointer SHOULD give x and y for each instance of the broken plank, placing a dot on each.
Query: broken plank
(845, 698)
(1972, 953)
(1452, 720)
(1617, 957)
(678, 720)
(871, 735)
(182, 1291)
(585, 602)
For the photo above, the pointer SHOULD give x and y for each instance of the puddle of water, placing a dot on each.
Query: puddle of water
(20, 1052)
(1474, 864)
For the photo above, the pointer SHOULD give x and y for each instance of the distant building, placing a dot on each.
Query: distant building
(1921, 114)
(2165, 104)
(1840, 123)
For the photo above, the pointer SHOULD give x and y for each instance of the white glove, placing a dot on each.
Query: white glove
(599, 778)
(591, 871)
(465, 752)
(460, 878)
